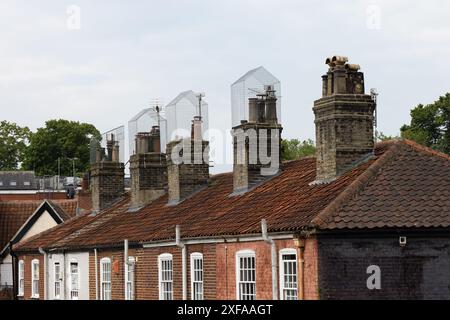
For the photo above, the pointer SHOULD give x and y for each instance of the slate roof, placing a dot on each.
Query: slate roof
(403, 185)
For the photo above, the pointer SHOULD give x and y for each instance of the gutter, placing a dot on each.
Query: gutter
(183, 260)
(273, 251)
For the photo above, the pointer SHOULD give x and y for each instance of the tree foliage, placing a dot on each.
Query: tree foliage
(430, 125)
(294, 149)
(13, 142)
(60, 139)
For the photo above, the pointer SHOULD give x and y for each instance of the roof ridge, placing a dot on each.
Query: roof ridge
(421, 148)
(357, 185)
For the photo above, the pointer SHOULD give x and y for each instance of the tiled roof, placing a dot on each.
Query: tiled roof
(13, 215)
(411, 189)
(65, 208)
(371, 195)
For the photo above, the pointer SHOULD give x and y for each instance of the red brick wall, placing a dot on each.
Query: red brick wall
(226, 267)
(311, 282)
(146, 271)
(219, 266)
(33, 196)
(27, 275)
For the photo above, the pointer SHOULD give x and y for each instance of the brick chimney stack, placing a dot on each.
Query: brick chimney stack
(148, 169)
(187, 164)
(344, 119)
(257, 143)
(107, 176)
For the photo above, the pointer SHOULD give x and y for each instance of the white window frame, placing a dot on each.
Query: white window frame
(21, 278)
(245, 254)
(56, 280)
(103, 282)
(162, 259)
(130, 281)
(195, 282)
(74, 293)
(282, 272)
(35, 279)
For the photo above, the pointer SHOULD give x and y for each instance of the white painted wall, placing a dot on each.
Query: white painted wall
(44, 222)
(83, 265)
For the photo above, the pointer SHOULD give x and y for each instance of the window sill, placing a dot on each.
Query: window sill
(35, 297)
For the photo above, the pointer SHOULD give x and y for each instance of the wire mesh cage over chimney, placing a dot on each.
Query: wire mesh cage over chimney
(180, 113)
(99, 149)
(252, 83)
(144, 121)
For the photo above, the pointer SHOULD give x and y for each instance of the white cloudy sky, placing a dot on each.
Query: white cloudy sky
(129, 52)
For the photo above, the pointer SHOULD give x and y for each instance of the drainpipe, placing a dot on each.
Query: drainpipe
(273, 251)
(300, 244)
(41, 251)
(183, 260)
(64, 275)
(126, 262)
(15, 268)
(96, 273)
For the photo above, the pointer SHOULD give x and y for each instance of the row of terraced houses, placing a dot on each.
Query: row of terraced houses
(359, 220)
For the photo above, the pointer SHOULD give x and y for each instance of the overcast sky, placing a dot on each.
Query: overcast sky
(127, 53)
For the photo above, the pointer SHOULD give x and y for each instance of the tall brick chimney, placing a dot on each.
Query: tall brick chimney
(187, 164)
(344, 119)
(257, 143)
(148, 169)
(107, 176)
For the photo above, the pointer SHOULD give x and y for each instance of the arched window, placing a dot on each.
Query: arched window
(196, 276)
(288, 274)
(74, 279)
(246, 275)
(57, 280)
(129, 279)
(35, 279)
(165, 272)
(105, 279)
(21, 272)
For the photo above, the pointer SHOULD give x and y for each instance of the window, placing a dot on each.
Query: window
(26, 183)
(197, 276)
(165, 276)
(1, 183)
(35, 278)
(57, 279)
(21, 277)
(129, 279)
(105, 279)
(13, 183)
(74, 280)
(245, 275)
(288, 274)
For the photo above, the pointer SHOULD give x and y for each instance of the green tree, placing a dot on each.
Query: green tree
(13, 142)
(294, 149)
(430, 124)
(60, 139)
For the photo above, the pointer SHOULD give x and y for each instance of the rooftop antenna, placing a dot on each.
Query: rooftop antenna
(374, 96)
(200, 96)
(155, 105)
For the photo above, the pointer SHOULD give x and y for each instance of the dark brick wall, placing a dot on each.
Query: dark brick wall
(420, 270)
